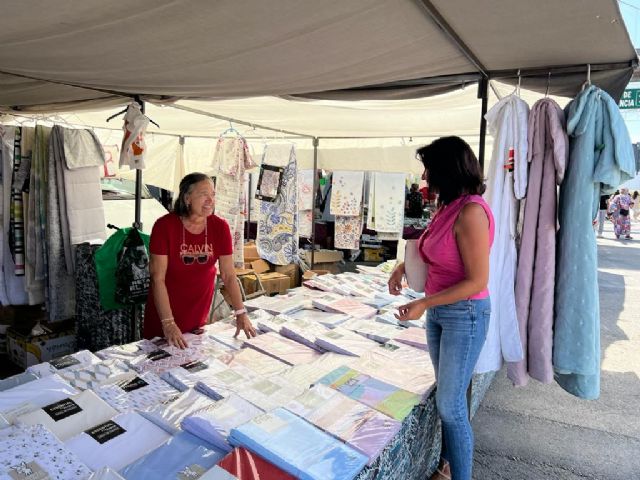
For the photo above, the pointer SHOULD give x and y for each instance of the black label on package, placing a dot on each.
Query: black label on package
(105, 431)
(133, 384)
(64, 362)
(158, 355)
(62, 409)
(194, 367)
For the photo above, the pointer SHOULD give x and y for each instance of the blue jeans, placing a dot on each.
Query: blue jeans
(455, 334)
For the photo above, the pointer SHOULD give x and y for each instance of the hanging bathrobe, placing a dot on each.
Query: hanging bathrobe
(507, 182)
(231, 160)
(12, 287)
(277, 239)
(600, 159)
(535, 277)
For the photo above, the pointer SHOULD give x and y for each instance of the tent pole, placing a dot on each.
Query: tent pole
(483, 94)
(137, 223)
(316, 142)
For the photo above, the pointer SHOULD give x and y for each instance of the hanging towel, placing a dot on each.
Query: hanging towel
(60, 284)
(230, 162)
(600, 159)
(34, 258)
(507, 122)
(346, 197)
(16, 209)
(305, 203)
(277, 238)
(389, 201)
(548, 151)
(347, 232)
(82, 149)
(134, 147)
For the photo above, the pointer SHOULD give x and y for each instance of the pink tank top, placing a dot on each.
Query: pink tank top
(439, 249)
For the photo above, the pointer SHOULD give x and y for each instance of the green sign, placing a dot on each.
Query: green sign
(630, 99)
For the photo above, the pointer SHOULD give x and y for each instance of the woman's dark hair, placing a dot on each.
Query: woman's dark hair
(635, 194)
(180, 207)
(452, 169)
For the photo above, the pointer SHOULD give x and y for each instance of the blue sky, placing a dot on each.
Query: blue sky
(630, 10)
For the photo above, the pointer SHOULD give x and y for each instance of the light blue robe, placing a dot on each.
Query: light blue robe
(600, 159)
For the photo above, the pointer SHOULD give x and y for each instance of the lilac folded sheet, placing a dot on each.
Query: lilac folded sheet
(346, 342)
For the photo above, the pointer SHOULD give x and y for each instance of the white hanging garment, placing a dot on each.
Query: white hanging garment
(507, 182)
(134, 147)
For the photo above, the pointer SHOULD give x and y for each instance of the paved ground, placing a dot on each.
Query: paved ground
(541, 432)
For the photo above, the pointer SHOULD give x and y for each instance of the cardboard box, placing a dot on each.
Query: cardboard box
(312, 273)
(333, 267)
(260, 266)
(274, 282)
(374, 254)
(291, 271)
(251, 251)
(26, 349)
(321, 256)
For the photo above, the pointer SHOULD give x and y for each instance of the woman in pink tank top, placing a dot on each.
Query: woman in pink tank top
(455, 249)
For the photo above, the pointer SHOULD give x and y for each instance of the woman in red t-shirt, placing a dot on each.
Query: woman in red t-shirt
(185, 246)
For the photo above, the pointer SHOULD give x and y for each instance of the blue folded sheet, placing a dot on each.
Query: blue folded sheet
(183, 456)
(298, 447)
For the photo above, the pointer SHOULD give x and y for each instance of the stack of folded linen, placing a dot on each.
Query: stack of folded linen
(269, 393)
(182, 456)
(376, 331)
(303, 331)
(328, 319)
(363, 428)
(219, 380)
(169, 415)
(70, 416)
(214, 423)
(298, 447)
(346, 342)
(384, 397)
(244, 464)
(34, 452)
(92, 376)
(74, 361)
(260, 363)
(16, 380)
(414, 337)
(30, 396)
(283, 349)
(136, 392)
(309, 373)
(117, 442)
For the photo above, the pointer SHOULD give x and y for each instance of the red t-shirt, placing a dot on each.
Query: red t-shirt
(191, 271)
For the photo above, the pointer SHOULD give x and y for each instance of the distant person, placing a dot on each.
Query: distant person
(620, 207)
(415, 203)
(602, 213)
(428, 197)
(636, 206)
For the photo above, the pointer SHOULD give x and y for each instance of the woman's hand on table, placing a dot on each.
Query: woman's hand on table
(395, 281)
(244, 324)
(412, 310)
(173, 335)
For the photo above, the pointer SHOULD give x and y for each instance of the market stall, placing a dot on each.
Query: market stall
(386, 55)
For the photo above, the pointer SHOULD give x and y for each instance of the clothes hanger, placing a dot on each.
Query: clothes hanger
(587, 83)
(519, 83)
(231, 129)
(137, 100)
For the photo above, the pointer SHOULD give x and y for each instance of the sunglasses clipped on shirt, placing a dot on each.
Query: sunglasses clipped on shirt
(190, 259)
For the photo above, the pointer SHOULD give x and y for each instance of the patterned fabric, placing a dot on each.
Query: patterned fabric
(71, 362)
(346, 194)
(93, 376)
(136, 392)
(97, 328)
(277, 240)
(305, 203)
(348, 231)
(622, 223)
(389, 201)
(230, 161)
(16, 218)
(26, 451)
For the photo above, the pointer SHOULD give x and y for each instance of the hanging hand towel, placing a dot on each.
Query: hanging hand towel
(277, 238)
(600, 159)
(134, 147)
(82, 149)
(346, 196)
(347, 232)
(305, 203)
(507, 121)
(389, 201)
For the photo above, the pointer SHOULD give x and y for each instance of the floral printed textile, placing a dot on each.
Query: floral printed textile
(277, 240)
(305, 203)
(230, 161)
(346, 195)
(389, 201)
(348, 230)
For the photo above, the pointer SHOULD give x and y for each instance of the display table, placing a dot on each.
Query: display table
(414, 453)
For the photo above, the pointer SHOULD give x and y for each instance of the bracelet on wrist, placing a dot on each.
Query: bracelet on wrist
(237, 313)
(167, 320)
